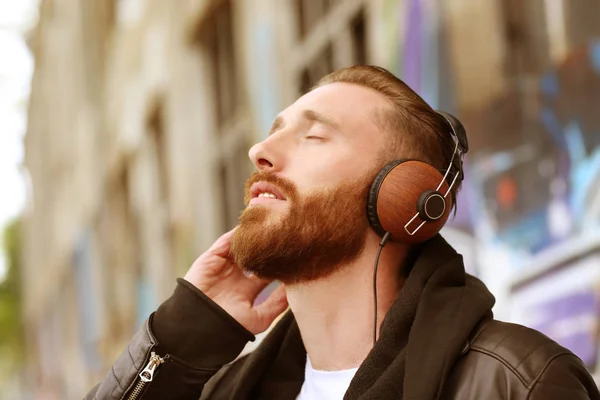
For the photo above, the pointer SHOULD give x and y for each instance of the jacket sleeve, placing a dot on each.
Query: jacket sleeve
(181, 346)
(565, 377)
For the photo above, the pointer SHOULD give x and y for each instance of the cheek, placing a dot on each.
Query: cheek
(328, 170)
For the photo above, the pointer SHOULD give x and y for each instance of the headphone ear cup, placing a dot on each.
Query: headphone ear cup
(402, 189)
(374, 192)
(431, 205)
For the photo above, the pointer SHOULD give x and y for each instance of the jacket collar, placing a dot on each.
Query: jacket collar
(426, 329)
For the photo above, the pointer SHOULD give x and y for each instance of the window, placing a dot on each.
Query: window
(157, 137)
(359, 38)
(310, 13)
(216, 36)
(231, 165)
(233, 171)
(223, 178)
(89, 300)
(118, 232)
(333, 33)
(526, 36)
(321, 66)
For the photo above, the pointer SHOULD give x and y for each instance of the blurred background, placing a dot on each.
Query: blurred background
(125, 127)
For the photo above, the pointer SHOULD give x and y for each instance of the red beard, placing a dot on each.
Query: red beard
(316, 236)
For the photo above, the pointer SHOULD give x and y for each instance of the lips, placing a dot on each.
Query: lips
(263, 187)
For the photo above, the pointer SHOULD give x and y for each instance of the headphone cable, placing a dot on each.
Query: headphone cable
(383, 242)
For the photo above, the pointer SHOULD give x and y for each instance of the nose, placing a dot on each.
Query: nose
(264, 156)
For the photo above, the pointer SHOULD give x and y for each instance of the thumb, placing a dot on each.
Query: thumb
(271, 308)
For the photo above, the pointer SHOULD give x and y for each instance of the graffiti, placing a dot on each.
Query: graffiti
(543, 191)
(565, 306)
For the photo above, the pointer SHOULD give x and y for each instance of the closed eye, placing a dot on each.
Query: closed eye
(314, 137)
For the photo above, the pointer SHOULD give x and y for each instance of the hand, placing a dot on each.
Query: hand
(225, 283)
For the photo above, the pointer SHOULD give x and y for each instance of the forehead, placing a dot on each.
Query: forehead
(348, 105)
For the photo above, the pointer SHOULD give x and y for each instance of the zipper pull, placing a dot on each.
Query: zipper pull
(148, 373)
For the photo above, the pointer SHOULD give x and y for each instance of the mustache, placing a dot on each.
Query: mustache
(285, 186)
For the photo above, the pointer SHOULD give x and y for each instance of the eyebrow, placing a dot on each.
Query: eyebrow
(314, 116)
(309, 115)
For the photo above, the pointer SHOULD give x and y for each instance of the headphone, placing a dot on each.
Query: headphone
(408, 201)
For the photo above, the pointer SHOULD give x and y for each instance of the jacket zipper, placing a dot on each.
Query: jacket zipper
(146, 376)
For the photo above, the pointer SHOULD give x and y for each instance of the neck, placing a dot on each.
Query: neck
(335, 313)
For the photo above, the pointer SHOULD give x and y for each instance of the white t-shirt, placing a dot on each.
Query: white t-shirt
(325, 385)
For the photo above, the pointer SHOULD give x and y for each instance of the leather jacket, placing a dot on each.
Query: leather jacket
(499, 361)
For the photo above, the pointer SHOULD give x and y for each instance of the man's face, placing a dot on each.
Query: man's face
(306, 205)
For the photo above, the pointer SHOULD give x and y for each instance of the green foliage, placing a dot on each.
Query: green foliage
(11, 334)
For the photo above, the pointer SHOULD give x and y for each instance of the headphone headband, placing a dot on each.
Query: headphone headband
(457, 130)
(459, 137)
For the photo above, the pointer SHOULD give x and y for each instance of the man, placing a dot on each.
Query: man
(305, 225)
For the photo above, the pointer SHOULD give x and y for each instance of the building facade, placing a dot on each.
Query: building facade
(142, 113)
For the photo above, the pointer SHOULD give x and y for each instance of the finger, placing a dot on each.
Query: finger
(253, 285)
(271, 308)
(222, 244)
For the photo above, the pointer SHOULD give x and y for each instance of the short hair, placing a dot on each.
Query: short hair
(416, 131)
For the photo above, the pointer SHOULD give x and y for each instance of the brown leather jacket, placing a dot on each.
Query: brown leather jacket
(500, 361)
(509, 361)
